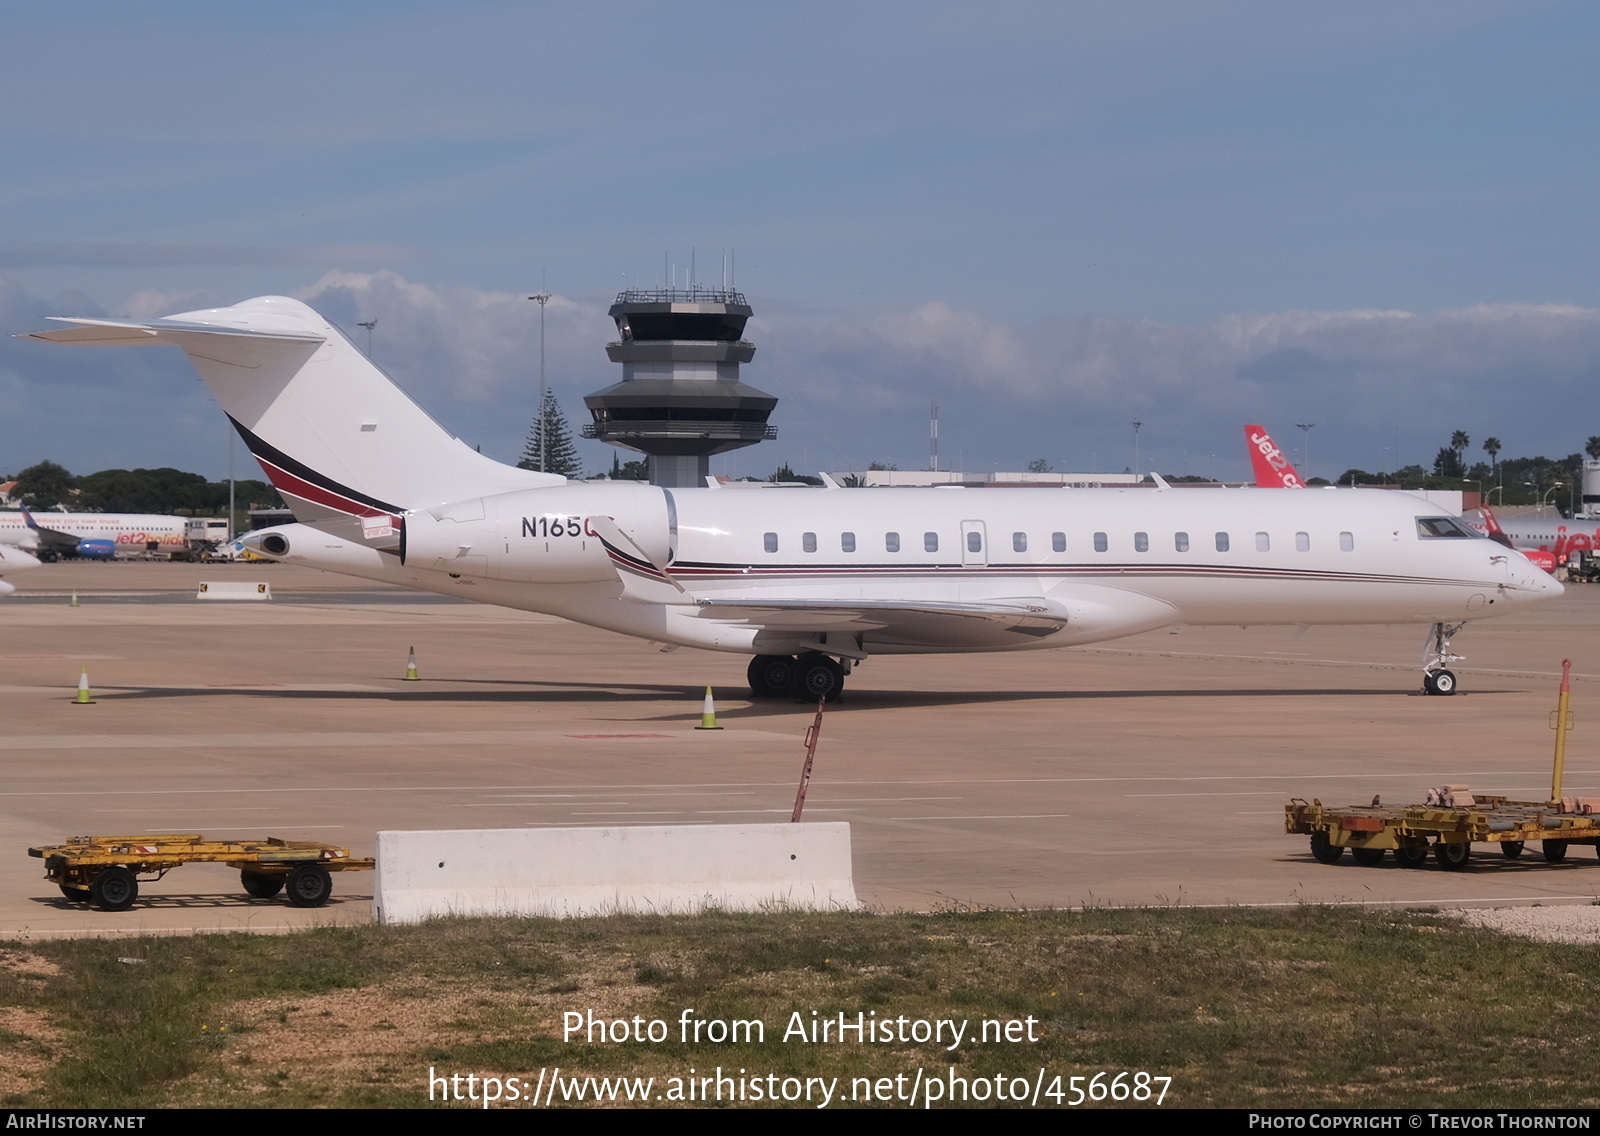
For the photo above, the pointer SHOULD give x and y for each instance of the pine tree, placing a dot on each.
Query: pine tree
(550, 429)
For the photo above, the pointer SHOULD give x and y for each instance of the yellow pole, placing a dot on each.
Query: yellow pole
(1561, 722)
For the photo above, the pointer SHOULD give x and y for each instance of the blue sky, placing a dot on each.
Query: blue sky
(1054, 218)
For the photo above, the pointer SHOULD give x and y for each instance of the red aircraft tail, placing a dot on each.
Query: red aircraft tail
(1272, 466)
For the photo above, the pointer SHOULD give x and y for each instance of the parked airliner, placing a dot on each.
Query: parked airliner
(92, 536)
(810, 582)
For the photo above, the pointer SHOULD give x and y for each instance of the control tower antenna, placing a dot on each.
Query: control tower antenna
(680, 399)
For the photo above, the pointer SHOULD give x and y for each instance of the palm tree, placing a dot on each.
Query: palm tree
(1459, 443)
(1593, 448)
(1492, 447)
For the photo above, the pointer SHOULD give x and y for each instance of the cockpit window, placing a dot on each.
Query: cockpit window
(1447, 528)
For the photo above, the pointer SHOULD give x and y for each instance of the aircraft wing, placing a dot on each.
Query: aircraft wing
(49, 539)
(911, 620)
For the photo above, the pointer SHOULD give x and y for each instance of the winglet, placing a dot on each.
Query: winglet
(1272, 467)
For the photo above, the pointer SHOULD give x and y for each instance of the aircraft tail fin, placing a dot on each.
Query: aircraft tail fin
(344, 446)
(1273, 469)
(1491, 525)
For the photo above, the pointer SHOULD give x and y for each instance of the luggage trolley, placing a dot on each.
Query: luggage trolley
(105, 870)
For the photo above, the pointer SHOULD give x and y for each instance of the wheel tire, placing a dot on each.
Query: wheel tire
(75, 894)
(1453, 856)
(770, 675)
(1555, 851)
(817, 678)
(1511, 849)
(114, 889)
(1412, 854)
(1439, 682)
(260, 885)
(1368, 857)
(310, 885)
(1323, 850)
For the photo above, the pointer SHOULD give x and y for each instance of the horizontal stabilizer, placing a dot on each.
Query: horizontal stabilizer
(347, 449)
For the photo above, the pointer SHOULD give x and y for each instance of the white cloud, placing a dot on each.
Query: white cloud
(856, 389)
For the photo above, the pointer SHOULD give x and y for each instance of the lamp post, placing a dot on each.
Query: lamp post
(541, 298)
(1305, 448)
(1554, 485)
(369, 325)
(1136, 468)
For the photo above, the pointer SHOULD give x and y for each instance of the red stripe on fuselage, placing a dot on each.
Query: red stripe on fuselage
(285, 482)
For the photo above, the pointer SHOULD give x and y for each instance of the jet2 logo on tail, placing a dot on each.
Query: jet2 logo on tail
(1272, 467)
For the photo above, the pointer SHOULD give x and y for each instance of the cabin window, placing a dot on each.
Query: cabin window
(1263, 542)
(808, 541)
(769, 541)
(1058, 541)
(1180, 541)
(1100, 543)
(930, 542)
(1302, 542)
(1347, 542)
(891, 542)
(1019, 542)
(1141, 542)
(847, 542)
(974, 542)
(1222, 542)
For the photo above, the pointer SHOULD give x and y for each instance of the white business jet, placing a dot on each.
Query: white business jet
(810, 582)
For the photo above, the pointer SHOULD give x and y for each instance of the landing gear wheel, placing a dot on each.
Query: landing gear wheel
(1412, 854)
(1453, 856)
(310, 885)
(1511, 849)
(816, 678)
(75, 894)
(1439, 682)
(1555, 851)
(770, 675)
(1323, 850)
(260, 885)
(114, 889)
(1368, 857)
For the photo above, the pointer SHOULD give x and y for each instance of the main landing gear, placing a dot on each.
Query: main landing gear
(1437, 678)
(811, 678)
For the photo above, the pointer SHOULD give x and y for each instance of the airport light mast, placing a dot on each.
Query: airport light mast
(680, 399)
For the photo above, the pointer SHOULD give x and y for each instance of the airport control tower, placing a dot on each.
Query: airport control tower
(680, 399)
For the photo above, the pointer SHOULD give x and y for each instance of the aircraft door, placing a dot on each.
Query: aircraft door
(974, 545)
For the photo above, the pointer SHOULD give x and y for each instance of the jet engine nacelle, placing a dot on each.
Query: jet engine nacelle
(536, 535)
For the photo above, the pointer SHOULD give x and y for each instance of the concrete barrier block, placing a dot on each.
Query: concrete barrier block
(234, 590)
(565, 872)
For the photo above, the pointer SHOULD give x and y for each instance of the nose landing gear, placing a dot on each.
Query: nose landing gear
(1437, 678)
